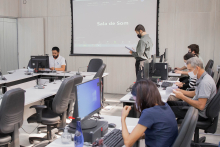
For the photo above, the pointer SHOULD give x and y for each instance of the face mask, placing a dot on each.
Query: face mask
(56, 56)
(192, 75)
(139, 35)
(185, 64)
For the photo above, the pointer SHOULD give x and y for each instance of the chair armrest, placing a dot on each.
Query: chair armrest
(185, 107)
(39, 106)
(39, 109)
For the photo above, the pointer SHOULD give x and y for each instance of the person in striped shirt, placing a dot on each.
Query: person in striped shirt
(188, 82)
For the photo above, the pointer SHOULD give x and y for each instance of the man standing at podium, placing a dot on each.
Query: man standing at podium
(143, 50)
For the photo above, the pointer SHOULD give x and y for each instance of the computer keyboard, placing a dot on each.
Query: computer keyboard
(114, 139)
(166, 84)
(173, 79)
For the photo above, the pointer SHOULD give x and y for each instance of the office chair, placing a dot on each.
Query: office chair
(94, 65)
(55, 118)
(78, 80)
(11, 117)
(209, 125)
(210, 72)
(187, 128)
(209, 64)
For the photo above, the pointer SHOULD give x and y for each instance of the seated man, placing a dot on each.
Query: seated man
(194, 49)
(57, 62)
(201, 97)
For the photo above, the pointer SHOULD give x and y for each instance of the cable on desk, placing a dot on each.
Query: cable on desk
(32, 131)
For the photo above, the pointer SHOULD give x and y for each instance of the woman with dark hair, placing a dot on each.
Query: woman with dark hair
(157, 121)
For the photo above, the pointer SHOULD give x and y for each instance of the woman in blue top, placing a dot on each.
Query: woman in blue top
(157, 122)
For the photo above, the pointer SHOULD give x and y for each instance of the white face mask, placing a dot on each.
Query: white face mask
(185, 64)
(192, 75)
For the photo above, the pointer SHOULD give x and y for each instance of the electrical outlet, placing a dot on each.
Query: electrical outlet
(218, 68)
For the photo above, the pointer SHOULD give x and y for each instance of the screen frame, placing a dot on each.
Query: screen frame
(76, 110)
(112, 55)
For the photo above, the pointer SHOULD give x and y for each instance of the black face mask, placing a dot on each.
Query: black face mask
(56, 56)
(139, 35)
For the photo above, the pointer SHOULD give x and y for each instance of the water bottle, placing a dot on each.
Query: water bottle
(66, 136)
(78, 138)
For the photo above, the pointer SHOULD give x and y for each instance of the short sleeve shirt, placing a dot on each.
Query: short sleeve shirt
(205, 88)
(161, 126)
(57, 62)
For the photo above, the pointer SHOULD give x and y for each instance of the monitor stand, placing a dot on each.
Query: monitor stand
(86, 124)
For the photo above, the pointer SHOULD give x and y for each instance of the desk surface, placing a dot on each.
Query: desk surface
(171, 74)
(131, 123)
(163, 94)
(19, 75)
(33, 95)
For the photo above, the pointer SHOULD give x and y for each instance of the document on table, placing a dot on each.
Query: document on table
(130, 48)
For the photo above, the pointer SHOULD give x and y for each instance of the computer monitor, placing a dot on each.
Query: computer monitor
(87, 103)
(166, 55)
(153, 63)
(161, 58)
(39, 62)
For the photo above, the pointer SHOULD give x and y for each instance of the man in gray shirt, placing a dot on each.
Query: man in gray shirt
(143, 50)
(203, 94)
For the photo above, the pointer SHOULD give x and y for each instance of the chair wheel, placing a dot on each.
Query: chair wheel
(31, 141)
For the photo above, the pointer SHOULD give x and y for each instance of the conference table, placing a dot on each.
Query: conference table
(131, 123)
(32, 94)
(133, 113)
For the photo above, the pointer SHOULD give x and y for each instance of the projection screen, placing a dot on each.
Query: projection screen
(105, 27)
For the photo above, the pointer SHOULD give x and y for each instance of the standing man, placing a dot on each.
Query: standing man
(57, 62)
(143, 50)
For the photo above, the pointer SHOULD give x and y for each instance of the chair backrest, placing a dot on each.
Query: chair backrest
(61, 100)
(94, 65)
(12, 110)
(187, 128)
(212, 112)
(66, 65)
(77, 80)
(210, 72)
(100, 72)
(209, 64)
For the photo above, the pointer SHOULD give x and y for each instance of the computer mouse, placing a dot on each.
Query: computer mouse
(3, 78)
(111, 125)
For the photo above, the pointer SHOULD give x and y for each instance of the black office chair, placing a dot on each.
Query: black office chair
(94, 65)
(210, 72)
(78, 80)
(11, 117)
(209, 125)
(187, 128)
(209, 64)
(55, 118)
(100, 72)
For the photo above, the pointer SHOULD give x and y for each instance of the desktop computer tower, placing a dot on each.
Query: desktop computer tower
(90, 135)
(161, 71)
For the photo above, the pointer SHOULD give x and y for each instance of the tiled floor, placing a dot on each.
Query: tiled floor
(114, 108)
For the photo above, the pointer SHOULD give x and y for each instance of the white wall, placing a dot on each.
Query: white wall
(30, 39)
(9, 8)
(8, 44)
(181, 23)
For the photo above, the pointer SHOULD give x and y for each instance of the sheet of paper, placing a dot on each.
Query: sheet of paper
(129, 48)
